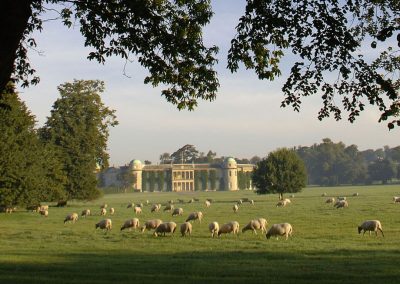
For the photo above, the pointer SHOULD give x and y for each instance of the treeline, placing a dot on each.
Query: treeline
(57, 161)
(331, 164)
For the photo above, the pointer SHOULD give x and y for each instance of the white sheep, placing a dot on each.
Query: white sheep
(355, 194)
(396, 199)
(371, 226)
(44, 207)
(169, 207)
(324, 194)
(177, 211)
(280, 230)
(240, 201)
(235, 208)
(256, 224)
(151, 224)
(195, 216)
(231, 227)
(341, 204)
(105, 224)
(104, 205)
(137, 210)
(155, 207)
(167, 227)
(85, 213)
(103, 212)
(112, 211)
(73, 217)
(283, 203)
(131, 223)
(251, 202)
(213, 228)
(330, 200)
(207, 203)
(45, 213)
(130, 205)
(186, 228)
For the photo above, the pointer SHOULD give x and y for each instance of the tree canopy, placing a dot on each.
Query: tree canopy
(344, 51)
(79, 127)
(282, 171)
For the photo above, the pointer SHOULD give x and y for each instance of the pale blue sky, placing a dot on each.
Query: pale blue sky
(245, 119)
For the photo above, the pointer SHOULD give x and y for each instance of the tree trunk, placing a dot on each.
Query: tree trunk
(14, 16)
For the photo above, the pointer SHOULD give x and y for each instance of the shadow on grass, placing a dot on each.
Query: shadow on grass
(209, 267)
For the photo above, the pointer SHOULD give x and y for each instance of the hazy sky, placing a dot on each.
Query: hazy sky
(245, 119)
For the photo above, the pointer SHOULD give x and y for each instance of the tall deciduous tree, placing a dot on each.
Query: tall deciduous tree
(281, 172)
(186, 154)
(29, 170)
(79, 128)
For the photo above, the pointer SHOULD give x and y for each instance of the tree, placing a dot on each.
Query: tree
(78, 128)
(126, 178)
(186, 154)
(204, 179)
(332, 41)
(29, 170)
(152, 180)
(213, 179)
(165, 37)
(282, 171)
(165, 158)
(160, 180)
(382, 170)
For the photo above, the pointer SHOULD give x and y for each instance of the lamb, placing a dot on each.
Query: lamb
(256, 224)
(137, 210)
(235, 208)
(370, 226)
(169, 207)
(105, 224)
(155, 207)
(207, 203)
(214, 228)
(73, 217)
(151, 224)
(177, 211)
(231, 227)
(195, 216)
(280, 230)
(103, 212)
(396, 199)
(85, 213)
(186, 228)
(112, 211)
(167, 227)
(341, 204)
(45, 213)
(330, 200)
(131, 223)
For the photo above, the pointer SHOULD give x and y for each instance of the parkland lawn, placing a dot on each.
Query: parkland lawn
(324, 248)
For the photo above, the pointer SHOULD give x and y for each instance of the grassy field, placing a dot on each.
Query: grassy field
(325, 246)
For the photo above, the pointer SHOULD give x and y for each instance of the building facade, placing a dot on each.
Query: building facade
(180, 177)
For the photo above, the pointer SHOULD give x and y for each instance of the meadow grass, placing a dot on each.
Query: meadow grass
(325, 246)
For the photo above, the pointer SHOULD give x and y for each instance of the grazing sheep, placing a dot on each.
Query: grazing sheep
(103, 212)
(45, 213)
(324, 194)
(169, 207)
(85, 213)
(341, 198)
(210, 200)
(355, 194)
(240, 201)
(155, 207)
(167, 227)
(105, 224)
(44, 207)
(292, 196)
(171, 201)
(214, 228)
(177, 211)
(256, 224)
(330, 200)
(207, 203)
(139, 205)
(147, 202)
(231, 227)
(137, 210)
(370, 226)
(130, 205)
(186, 228)
(191, 200)
(195, 216)
(280, 230)
(112, 211)
(151, 224)
(235, 208)
(341, 204)
(251, 202)
(73, 217)
(131, 223)
(104, 205)
(283, 203)
(396, 199)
